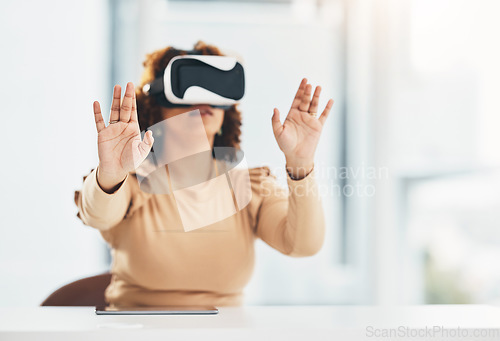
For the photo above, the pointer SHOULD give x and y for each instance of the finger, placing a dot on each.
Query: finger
(315, 100)
(146, 144)
(326, 112)
(306, 98)
(300, 92)
(126, 108)
(134, 108)
(115, 105)
(277, 126)
(99, 122)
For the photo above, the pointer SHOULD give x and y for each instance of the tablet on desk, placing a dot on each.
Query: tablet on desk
(160, 310)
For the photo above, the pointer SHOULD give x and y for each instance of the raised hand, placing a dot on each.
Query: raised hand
(299, 134)
(119, 144)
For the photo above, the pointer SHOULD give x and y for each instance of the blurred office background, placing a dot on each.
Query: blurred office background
(408, 161)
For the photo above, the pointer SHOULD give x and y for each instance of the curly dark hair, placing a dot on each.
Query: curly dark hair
(149, 107)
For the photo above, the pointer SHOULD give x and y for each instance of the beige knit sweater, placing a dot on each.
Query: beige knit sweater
(155, 262)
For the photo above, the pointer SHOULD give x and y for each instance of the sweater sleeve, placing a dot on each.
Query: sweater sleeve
(292, 223)
(99, 209)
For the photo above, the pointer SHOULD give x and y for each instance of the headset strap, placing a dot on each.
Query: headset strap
(156, 87)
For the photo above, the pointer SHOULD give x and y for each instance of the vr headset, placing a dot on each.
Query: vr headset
(199, 79)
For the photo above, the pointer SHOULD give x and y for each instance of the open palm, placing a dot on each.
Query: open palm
(299, 134)
(120, 147)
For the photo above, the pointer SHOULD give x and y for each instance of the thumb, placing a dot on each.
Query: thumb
(146, 145)
(277, 126)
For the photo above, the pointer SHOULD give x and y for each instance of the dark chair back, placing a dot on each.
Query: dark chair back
(84, 292)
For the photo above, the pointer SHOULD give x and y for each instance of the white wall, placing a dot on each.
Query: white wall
(53, 64)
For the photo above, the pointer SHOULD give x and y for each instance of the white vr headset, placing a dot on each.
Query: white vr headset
(199, 79)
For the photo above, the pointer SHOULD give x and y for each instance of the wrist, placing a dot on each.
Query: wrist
(299, 168)
(109, 182)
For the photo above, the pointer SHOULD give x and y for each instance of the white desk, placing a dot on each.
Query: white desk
(246, 323)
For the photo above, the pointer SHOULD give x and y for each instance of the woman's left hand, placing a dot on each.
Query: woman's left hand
(299, 134)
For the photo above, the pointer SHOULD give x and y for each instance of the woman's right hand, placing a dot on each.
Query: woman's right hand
(119, 144)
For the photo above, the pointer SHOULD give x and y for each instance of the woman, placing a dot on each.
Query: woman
(154, 261)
